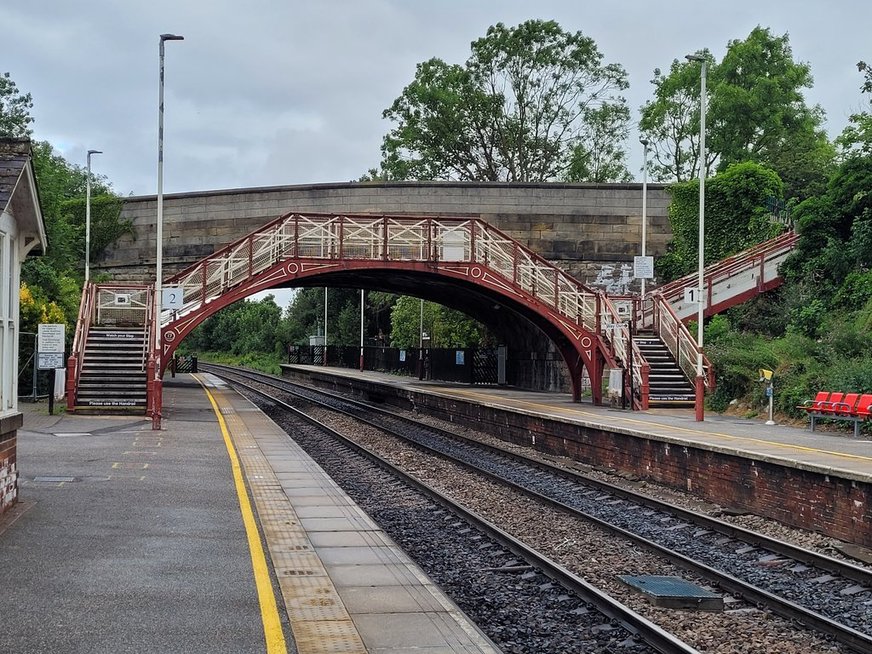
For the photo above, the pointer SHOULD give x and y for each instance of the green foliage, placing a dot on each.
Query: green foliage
(856, 139)
(242, 328)
(808, 319)
(737, 358)
(106, 223)
(829, 267)
(855, 291)
(671, 121)
(735, 216)
(269, 363)
(532, 103)
(406, 321)
(57, 275)
(756, 112)
(15, 118)
(717, 329)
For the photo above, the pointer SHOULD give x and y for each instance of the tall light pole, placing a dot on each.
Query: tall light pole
(325, 326)
(644, 143)
(361, 330)
(88, 216)
(158, 283)
(700, 380)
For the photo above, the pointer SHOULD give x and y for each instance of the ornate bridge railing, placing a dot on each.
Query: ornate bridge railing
(440, 241)
(385, 238)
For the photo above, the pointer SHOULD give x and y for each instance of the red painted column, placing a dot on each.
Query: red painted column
(72, 367)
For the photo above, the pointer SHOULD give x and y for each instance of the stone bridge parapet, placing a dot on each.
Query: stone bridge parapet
(590, 230)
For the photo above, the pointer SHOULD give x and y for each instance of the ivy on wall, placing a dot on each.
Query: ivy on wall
(736, 217)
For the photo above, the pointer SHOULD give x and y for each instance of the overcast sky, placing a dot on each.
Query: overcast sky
(274, 92)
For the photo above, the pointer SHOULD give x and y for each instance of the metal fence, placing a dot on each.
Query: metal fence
(462, 365)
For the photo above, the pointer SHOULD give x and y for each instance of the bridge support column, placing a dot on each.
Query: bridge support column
(597, 364)
(577, 365)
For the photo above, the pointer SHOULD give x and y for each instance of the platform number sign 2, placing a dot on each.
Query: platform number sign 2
(172, 298)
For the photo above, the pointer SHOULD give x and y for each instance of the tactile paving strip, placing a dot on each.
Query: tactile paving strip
(319, 621)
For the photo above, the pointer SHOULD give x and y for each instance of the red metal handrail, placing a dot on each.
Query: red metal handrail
(731, 266)
(83, 326)
(679, 341)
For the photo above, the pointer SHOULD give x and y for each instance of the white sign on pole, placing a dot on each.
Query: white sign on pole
(50, 338)
(50, 346)
(692, 296)
(643, 267)
(172, 298)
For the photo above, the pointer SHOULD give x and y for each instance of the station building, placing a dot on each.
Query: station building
(22, 232)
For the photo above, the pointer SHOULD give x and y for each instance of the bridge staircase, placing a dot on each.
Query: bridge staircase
(662, 336)
(113, 371)
(667, 383)
(108, 368)
(733, 280)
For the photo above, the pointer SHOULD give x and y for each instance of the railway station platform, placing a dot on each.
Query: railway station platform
(215, 534)
(833, 451)
(819, 480)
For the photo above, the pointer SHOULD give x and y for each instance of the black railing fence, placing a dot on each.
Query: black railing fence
(463, 365)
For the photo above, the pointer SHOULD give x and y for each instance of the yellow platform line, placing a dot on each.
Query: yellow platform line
(272, 626)
(656, 425)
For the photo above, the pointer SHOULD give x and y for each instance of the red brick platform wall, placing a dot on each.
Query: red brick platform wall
(831, 504)
(8, 465)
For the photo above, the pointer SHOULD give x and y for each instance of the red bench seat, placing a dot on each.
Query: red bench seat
(840, 406)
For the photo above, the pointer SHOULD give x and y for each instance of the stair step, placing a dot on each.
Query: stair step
(109, 403)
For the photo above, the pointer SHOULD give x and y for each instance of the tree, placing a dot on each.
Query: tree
(445, 327)
(670, 122)
(15, 109)
(856, 139)
(756, 112)
(529, 102)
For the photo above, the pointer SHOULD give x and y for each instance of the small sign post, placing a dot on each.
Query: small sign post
(50, 354)
(766, 375)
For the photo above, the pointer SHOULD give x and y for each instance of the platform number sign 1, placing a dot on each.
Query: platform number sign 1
(173, 298)
(692, 295)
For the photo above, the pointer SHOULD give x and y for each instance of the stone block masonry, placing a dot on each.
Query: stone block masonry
(591, 230)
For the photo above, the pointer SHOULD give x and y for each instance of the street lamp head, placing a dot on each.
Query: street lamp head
(171, 37)
(694, 57)
(644, 142)
(90, 152)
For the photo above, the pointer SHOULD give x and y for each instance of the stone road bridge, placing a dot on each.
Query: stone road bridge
(592, 231)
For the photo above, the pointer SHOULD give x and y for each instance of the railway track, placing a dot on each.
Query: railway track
(825, 594)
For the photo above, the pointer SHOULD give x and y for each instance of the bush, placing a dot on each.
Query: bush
(737, 359)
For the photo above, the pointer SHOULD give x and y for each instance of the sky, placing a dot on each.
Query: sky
(280, 92)
(277, 92)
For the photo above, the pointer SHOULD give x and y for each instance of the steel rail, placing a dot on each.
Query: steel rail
(656, 637)
(845, 569)
(854, 639)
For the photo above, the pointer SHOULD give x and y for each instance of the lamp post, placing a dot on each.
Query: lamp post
(644, 143)
(158, 284)
(361, 330)
(88, 216)
(325, 326)
(700, 381)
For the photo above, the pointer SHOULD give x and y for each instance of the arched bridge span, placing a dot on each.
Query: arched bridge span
(401, 251)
